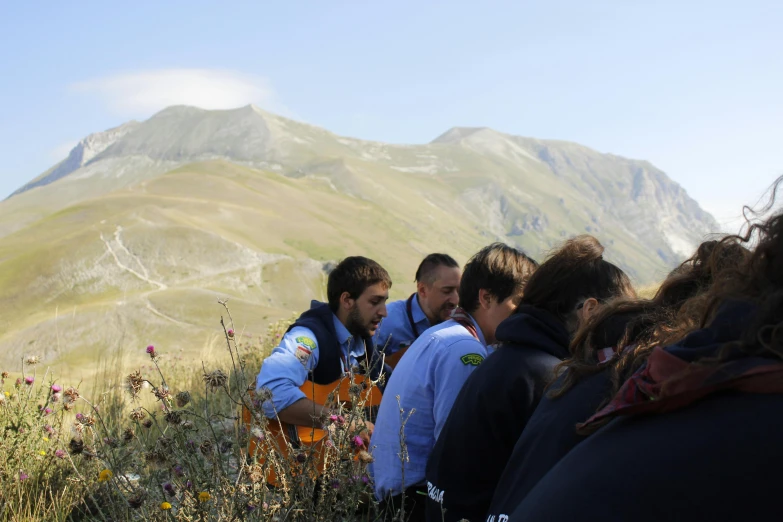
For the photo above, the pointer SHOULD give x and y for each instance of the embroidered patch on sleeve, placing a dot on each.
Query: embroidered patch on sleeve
(472, 359)
(306, 341)
(303, 354)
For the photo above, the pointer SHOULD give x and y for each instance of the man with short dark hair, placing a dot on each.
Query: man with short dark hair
(326, 341)
(430, 375)
(437, 283)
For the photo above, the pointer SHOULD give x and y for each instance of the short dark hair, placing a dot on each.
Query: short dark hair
(575, 271)
(426, 271)
(499, 269)
(353, 275)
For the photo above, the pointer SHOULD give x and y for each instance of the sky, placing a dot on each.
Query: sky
(692, 86)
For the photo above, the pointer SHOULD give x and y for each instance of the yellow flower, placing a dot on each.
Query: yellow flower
(203, 496)
(104, 475)
(42, 453)
(7, 394)
(46, 439)
(165, 506)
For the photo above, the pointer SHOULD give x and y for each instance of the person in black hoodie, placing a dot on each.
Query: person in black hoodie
(694, 434)
(604, 353)
(496, 401)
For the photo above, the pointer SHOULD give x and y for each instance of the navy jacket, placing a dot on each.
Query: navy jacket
(490, 413)
(718, 459)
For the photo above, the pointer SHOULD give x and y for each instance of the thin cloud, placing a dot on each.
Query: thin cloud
(142, 93)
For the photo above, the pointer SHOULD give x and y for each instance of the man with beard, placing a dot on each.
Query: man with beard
(437, 282)
(327, 341)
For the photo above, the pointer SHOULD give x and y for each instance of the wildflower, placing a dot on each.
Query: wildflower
(165, 506)
(104, 475)
(230, 333)
(358, 442)
(178, 471)
(147, 423)
(250, 507)
(133, 384)
(29, 380)
(18, 382)
(187, 425)
(203, 496)
(137, 414)
(162, 393)
(151, 352)
(128, 434)
(206, 448)
(338, 419)
(46, 439)
(80, 417)
(365, 457)
(48, 429)
(137, 500)
(182, 398)
(56, 388)
(173, 417)
(7, 394)
(169, 489)
(47, 411)
(71, 395)
(23, 476)
(189, 485)
(56, 397)
(42, 453)
(32, 360)
(59, 453)
(336, 484)
(215, 379)
(301, 457)
(76, 446)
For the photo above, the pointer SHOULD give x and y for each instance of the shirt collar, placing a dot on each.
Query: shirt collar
(353, 345)
(478, 330)
(416, 311)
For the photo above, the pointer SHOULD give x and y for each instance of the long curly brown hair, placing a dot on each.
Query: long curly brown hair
(634, 326)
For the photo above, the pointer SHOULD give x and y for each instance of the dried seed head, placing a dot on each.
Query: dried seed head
(162, 393)
(365, 457)
(32, 360)
(70, 395)
(215, 379)
(187, 425)
(76, 446)
(137, 414)
(128, 434)
(206, 448)
(147, 423)
(182, 398)
(136, 500)
(173, 417)
(133, 384)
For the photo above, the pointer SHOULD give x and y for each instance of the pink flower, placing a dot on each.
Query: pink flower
(231, 333)
(151, 351)
(59, 454)
(23, 475)
(56, 388)
(339, 419)
(47, 411)
(358, 442)
(29, 380)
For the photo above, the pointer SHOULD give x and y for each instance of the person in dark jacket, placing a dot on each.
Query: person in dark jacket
(590, 376)
(496, 401)
(694, 434)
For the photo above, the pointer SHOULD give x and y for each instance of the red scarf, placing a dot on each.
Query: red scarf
(463, 318)
(669, 383)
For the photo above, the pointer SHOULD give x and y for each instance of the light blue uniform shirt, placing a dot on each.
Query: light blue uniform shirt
(289, 364)
(395, 331)
(427, 378)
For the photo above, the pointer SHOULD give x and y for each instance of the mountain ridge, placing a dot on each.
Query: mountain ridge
(159, 218)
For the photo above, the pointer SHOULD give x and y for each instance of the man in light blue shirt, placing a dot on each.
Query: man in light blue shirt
(437, 282)
(434, 368)
(326, 341)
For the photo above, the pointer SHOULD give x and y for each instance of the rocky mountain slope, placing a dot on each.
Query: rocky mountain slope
(134, 236)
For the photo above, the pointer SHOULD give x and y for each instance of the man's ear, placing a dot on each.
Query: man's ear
(346, 301)
(421, 288)
(589, 308)
(485, 299)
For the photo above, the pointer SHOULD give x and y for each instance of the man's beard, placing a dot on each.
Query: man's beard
(445, 311)
(355, 326)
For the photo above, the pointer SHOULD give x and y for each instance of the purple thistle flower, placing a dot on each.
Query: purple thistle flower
(79, 417)
(23, 476)
(48, 429)
(365, 479)
(59, 454)
(29, 380)
(47, 411)
(358, 442)
(336, 484)
(189, 485)
(56, 388)
(179, 471)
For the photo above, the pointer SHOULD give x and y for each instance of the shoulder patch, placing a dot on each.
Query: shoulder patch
(473, 359)
(306, 341)
(303, 354)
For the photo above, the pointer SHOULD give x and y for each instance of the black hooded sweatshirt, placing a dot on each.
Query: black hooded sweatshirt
(490, 413)
(551, 432)
(717, 459)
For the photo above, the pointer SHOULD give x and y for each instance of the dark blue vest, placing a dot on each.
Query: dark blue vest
(319, 319)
